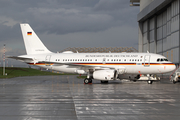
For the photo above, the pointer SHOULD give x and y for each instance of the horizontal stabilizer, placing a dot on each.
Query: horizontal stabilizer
(20, 58)
(23, 59)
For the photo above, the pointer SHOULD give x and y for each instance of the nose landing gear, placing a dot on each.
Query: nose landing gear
(149, 81)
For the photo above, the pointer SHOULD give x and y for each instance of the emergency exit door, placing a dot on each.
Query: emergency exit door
(47, 59)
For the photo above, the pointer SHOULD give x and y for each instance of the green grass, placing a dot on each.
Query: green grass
(81, 77)
(18, 72)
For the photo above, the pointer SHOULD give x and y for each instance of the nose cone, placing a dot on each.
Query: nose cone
(171, 67)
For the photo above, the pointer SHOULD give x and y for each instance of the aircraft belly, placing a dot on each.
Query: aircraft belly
(64, 68)
(141, 69)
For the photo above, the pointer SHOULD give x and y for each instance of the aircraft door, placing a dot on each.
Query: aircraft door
(147, 60)
(48, 57)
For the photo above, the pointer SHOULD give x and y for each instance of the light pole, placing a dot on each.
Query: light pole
(4, 57)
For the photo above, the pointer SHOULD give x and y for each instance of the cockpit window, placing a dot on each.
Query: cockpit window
(166, 60)
(161, 59)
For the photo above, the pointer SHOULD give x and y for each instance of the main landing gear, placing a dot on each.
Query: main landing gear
(87, 80)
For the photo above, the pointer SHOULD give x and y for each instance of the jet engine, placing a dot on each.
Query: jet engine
(105, 74)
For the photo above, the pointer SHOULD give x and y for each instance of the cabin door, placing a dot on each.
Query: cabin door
(147, 60)
(47, 59)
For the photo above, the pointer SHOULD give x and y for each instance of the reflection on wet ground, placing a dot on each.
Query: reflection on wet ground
(67, 98)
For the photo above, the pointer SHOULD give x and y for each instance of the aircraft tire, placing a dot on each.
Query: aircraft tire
(174, 82)
(90, 80)
(86, 81)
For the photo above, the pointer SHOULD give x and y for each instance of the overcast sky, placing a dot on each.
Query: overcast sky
(69, 23)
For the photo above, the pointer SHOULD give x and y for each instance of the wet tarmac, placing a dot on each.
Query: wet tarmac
(67, 98)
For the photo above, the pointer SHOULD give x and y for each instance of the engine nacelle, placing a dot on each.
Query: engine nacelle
(105, 74)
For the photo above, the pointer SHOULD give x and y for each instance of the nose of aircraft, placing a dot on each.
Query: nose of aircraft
(171, 67)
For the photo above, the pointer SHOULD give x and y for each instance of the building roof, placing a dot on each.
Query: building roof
(152, 9)
(134, 0)
(100, 49)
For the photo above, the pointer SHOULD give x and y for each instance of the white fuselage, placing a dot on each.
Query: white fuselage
(99, 66)
(128, 63)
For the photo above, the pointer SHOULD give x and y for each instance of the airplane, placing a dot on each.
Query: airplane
(98, 66)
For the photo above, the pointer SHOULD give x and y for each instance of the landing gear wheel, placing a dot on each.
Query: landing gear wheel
(149, 81)
(174, 81)
(90, 80)
(86, 81)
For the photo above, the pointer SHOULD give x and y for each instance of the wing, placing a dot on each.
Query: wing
(85, 66)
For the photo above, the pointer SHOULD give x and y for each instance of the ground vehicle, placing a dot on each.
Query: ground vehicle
(175, 77)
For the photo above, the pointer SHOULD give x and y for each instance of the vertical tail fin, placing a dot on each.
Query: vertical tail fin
(32, 42)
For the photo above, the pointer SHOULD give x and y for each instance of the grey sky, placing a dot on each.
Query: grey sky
(69, 23)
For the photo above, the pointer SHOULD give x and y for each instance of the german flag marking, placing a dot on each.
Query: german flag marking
(29, 33)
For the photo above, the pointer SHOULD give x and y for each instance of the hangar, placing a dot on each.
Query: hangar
(99, 49)
(159, 27)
